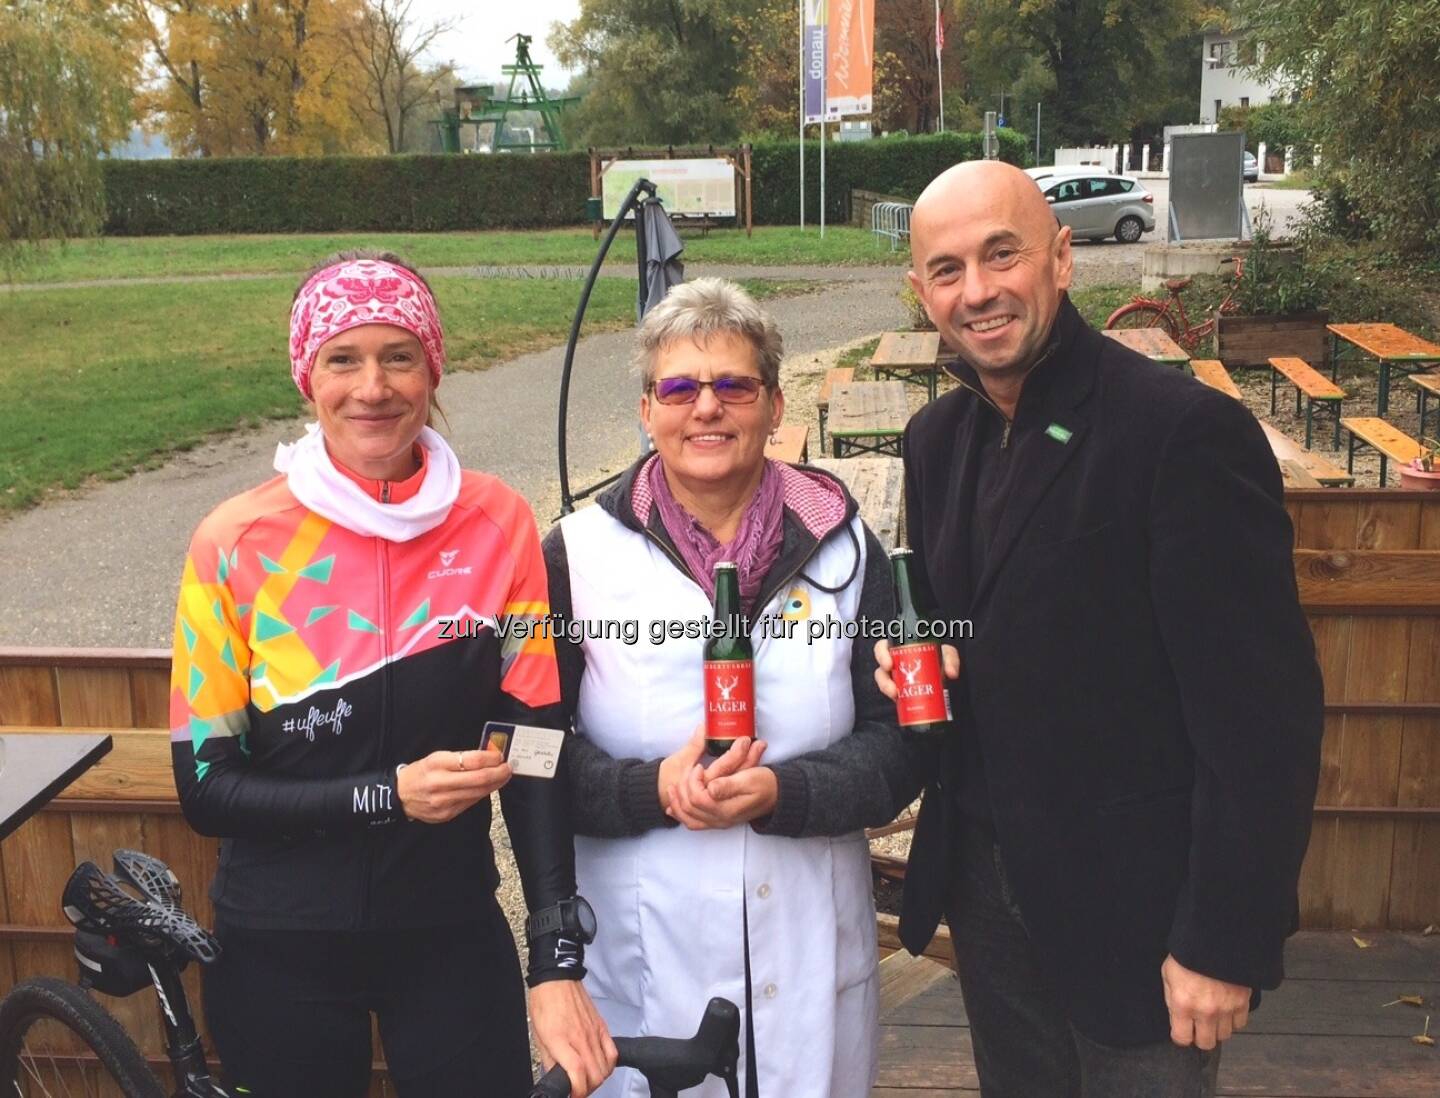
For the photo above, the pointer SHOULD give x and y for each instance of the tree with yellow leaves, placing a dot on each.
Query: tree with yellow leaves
(254, 77)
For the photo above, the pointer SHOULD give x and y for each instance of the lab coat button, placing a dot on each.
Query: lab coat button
(770, 991)
(763, 892)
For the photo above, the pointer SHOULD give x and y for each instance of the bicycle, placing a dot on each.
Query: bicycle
(1149, 312)
(53, 1034)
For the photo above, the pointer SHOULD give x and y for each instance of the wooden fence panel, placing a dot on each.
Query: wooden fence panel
(27, 696)
(1415, 870)
(150, 697)
(95, 697)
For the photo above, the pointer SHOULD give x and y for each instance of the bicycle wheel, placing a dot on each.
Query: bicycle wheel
(56, 1040)
(1142, 314)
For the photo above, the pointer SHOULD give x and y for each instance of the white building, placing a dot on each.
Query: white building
(1224, 79)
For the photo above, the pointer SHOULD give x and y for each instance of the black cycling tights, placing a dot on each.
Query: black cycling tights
(289, 1011)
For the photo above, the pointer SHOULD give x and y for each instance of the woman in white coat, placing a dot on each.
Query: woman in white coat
(749, 879)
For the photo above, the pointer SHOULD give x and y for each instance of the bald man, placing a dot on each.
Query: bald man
(1116, 826)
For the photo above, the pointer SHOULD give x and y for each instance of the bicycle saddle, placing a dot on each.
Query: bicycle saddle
(1175, 285)
(97, 903)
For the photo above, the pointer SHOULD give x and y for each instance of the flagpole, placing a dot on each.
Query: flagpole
(800, 6)
(824, 118)
(940, 64)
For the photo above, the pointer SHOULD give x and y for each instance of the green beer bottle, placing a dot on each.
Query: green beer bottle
(923, 704)
(729, 667)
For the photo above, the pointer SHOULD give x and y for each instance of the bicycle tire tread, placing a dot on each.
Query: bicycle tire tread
(64, 1002)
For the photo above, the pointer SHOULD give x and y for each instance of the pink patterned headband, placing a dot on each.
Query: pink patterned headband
(356, 292)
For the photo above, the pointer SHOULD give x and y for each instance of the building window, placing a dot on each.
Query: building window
(1217, 111)
(1244, 102)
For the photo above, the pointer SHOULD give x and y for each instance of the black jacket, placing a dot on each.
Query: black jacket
(1141, 678)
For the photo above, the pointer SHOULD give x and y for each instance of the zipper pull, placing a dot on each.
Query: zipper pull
(1005, 437)
(385, 487)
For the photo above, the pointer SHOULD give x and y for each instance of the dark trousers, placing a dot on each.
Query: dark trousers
(1024, 1042)
(289, 1011)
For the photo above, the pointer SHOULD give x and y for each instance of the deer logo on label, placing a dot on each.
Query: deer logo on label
(909, 671)
(725, 687)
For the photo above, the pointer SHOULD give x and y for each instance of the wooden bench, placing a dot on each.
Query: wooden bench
(912, 357)
(835, 376)
(1295, 475)
(1390, 442)
(790, 443)
(1212, 372)
(1426, 386)
(868, 417)
(1286, 449)
(1313, 386)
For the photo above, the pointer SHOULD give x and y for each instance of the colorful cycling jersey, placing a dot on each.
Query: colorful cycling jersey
(310, 660)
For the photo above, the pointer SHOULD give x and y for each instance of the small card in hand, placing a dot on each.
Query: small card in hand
(531, 751)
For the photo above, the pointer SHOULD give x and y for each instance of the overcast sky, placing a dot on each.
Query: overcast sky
(478, 46)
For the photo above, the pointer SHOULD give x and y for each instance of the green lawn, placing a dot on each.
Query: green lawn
(292, 255)
(104, 380)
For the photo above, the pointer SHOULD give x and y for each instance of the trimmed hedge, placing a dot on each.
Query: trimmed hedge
(889, 165)
(340, 193)
(437, 193)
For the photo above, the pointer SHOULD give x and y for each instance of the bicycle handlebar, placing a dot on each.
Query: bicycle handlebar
(672, 1064)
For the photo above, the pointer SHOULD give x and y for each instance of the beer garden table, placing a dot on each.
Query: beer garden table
(35, 767)
(1153, 343)
(912, 357)
(868, 417)
(1392, 347)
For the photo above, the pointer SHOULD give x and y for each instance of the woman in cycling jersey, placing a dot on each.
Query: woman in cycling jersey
(763, 896)
(336, 658)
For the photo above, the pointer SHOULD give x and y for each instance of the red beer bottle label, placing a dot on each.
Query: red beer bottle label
(923, 698)
(729, 699)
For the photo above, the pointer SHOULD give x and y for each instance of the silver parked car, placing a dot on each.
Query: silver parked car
(1096, 206)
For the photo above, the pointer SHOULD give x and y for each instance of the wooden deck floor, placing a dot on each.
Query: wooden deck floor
(1326, 1033)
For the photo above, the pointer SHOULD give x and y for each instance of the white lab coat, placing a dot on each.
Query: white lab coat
(669, 902)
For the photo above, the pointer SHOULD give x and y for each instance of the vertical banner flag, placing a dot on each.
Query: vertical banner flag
(850, 67)
(814, 64)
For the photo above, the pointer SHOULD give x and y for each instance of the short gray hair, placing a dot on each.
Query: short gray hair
(710, 306)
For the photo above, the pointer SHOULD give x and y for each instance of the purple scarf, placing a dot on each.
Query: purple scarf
(757, 542)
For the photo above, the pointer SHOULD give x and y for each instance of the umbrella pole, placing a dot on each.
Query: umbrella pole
(567, 501)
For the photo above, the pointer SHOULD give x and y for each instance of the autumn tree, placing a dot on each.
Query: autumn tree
(254, 77)
(907, 94)
(65, 89)
(388, 45)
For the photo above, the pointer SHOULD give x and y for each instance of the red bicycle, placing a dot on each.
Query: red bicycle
(1149, 312)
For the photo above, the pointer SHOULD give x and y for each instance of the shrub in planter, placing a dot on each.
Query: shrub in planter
(1279, 312)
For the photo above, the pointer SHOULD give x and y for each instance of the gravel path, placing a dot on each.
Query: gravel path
(100, 567)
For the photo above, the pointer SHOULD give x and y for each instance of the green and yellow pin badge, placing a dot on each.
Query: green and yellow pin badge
(1058, 433)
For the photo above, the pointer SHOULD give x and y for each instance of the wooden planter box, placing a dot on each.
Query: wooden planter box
(1252, 340)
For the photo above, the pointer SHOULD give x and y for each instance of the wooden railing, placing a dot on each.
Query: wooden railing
(1368, 564)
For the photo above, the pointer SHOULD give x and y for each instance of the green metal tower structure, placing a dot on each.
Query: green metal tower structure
(481, 106)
